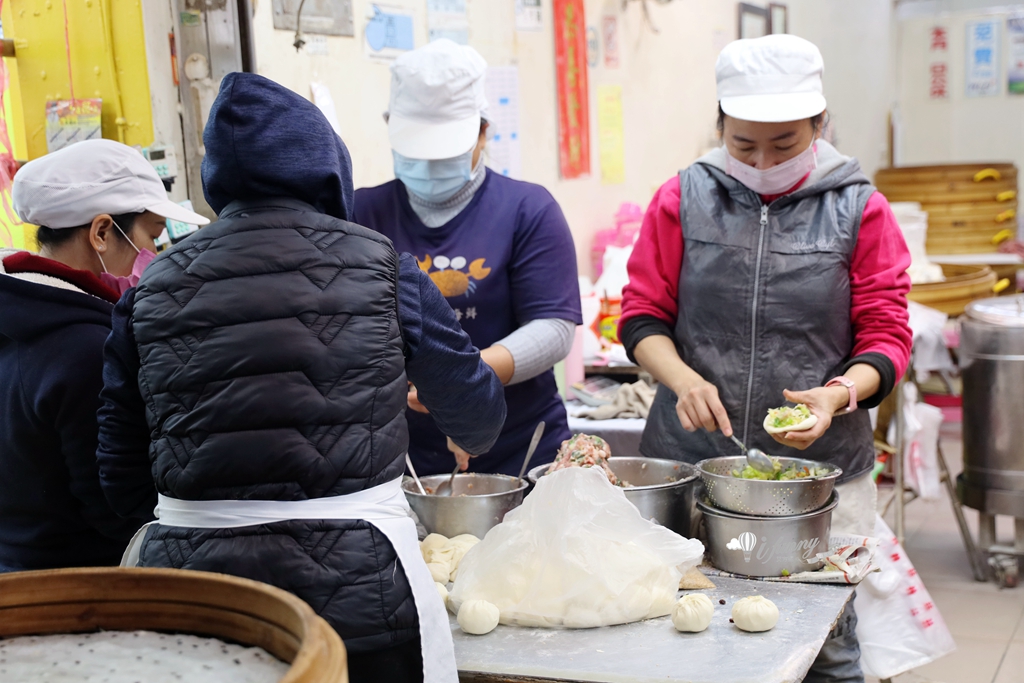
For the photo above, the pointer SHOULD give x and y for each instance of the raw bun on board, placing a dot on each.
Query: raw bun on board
(755, 614)
(692, 613)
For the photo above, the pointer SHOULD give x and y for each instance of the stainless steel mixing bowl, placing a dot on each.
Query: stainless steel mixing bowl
(662, 490)
(767, 546)
(765, 498)
(478, 502)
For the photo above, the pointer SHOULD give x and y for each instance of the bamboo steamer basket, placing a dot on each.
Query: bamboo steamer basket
(993, 211)
(971, 207)
(947, 173)
(81, 600)
(963, 285)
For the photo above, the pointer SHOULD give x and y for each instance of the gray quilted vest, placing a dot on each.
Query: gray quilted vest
(272, 360)
(764, 305)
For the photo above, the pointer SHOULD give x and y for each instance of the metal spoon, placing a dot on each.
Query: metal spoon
(440, 487)
(756, 458)
(537, 434)
(415, 477)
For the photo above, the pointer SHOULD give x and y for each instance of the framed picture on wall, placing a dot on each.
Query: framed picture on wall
(754, 21)
(778, 19)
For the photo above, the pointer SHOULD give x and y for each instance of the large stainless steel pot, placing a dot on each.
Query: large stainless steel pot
(992, 363)
(478, 502)
(662, 490)
(767, 546)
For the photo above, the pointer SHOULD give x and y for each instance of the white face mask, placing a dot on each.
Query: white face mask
(774, 180)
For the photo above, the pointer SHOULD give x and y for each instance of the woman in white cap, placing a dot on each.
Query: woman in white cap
(99, 206)
(499, 250)
(771, 271)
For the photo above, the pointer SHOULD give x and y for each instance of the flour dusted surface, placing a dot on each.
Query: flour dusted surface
(134, 657)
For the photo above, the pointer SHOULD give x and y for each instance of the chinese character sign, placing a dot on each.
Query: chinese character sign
(1015, 69)
(571, 81)
(938, 67)
(983, 59)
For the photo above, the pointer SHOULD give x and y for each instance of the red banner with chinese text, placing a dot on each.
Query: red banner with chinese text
(573, 95)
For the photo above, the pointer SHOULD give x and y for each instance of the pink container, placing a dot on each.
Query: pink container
(627, 223)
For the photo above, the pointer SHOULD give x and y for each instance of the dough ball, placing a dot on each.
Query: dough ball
(755, 614)
(459, 546)
(439, 571)
(443, 592)
(431, 543)
(692, 613)
(478, 617)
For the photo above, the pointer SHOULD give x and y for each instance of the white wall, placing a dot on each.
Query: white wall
(669, 103)
(957, 129)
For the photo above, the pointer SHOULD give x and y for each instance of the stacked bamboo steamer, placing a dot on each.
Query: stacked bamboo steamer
(971, 207)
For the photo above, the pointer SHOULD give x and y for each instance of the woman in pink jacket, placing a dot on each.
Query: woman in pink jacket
(771, 271)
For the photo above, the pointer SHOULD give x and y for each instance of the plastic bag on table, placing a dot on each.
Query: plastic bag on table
(898, 625)
(576, 554)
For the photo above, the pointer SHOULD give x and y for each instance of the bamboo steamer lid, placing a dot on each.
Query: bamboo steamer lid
(963, 285)
(128, 599)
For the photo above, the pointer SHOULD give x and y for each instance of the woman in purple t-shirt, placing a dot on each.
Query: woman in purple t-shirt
(499, 250)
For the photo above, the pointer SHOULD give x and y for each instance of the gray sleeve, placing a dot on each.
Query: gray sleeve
(538, 345)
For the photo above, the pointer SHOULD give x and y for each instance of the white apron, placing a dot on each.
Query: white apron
(384, 506)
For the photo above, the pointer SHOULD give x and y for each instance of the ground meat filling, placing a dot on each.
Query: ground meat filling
(583, 450)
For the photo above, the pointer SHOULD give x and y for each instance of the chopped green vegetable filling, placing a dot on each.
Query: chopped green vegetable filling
(787, 417)
(778, 474)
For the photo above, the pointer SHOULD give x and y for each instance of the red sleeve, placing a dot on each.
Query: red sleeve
(878, 287)
(656, 260)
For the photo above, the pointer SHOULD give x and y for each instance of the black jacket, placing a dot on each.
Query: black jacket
(271, 363)
(52, 511)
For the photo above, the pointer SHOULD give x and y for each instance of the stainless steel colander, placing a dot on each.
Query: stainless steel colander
(765, 498)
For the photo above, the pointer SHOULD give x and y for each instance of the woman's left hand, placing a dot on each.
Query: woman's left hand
(823, 402)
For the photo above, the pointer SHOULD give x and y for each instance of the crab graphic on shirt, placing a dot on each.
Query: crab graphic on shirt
(450, 278)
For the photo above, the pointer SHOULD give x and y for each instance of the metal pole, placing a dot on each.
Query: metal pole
(977, 566)
(897, 464)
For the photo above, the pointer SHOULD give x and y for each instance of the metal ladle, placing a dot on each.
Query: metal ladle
(756, 458)
(537, 434)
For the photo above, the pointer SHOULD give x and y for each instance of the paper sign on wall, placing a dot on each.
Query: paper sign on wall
(448, 19)
(503, 148)
(573, 93)
(388, 32)
(983, 59)
(609, 134)
(71, 121)
(1015, 70)
(610, 33)
(529, 16)
(938, 67)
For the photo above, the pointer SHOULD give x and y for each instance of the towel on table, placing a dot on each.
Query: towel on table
(631, 400)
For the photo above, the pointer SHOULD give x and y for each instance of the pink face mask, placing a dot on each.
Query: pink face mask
(123, 284)
(774, 180)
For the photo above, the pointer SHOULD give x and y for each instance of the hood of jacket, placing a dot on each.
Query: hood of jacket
(32, 309)
(263, 140)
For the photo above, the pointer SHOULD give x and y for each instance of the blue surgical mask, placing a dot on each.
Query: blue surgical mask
(434, 180)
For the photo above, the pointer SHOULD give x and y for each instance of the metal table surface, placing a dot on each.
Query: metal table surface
(653, 650)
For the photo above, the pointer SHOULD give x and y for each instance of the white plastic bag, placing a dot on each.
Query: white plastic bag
(576, 554)
(898, 625)
(921, 442)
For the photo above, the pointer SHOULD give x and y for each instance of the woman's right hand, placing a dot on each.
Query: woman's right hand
(414, 401)
(699, 406)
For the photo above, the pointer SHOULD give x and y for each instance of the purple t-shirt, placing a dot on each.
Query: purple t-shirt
(506, 259)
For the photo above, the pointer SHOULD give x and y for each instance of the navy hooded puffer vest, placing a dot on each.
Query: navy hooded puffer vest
(764, 305)
(272, 366)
